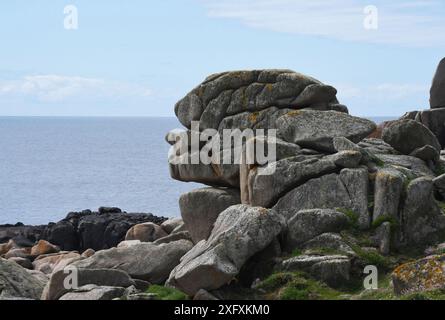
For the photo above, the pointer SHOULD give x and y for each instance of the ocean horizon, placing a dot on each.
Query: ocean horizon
(50, 166)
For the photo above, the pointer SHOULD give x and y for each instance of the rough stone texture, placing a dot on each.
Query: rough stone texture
(330, 241)
(426, 153)
(239, 233)
(408, 135)
(334, 269)
(47, 263)
(94, 293)
(88, 253)
(437, 93)
(387, 193)
(145, 232)
(145, 261)
(231, 93)
(23, 262)
(308, 224)
(44, 247)
(434, 120)
(347, 190)
(171, 224)
(382, 238)
(15, 281)
(423, 221)
(203, 295)
(265, 185)
(55, 288)
(200, 209)
(316, 130)
(439, 186)
(183, 235)
(421, 275)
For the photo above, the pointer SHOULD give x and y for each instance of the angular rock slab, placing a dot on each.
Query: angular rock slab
(56, 287)
(239, 233)
(144, 261)
(200, 209)
(265, 185)
(437, 92)
(94, 293)
(408, 135)
(423, 221)
(347, 190)
(316, 130)
(15, 281)
(305, 225)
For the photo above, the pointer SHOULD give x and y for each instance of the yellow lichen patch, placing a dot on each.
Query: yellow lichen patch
(422, 275)
(253, 117)
(294, 113)
(269, 87)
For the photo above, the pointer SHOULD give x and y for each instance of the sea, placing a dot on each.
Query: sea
(50, 166)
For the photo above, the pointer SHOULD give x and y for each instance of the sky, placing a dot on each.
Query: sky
(137, 58)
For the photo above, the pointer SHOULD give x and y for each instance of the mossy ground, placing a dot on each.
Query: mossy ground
(164, 293)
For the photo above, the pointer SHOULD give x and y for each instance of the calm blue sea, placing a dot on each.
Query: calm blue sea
(51, 166)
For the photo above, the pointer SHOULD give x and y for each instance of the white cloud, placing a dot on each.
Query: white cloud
(57, 88)
(405, 22)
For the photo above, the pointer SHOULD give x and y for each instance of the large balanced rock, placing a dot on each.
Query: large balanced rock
(200, 209)
(16, 282)
(406, 136)
(231, 93)
(145, 232)
(239, 233)
(246, 100)
(433, 119)
(437, 93)
(144, 261)
(421, 275)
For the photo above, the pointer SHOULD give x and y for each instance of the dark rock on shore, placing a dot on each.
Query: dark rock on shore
(81, 230)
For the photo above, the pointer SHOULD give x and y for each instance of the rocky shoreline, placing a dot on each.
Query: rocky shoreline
(343, 199)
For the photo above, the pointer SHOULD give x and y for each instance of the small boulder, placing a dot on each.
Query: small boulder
(171, 224)
(23, 262)
(145, 232)
(88, 253)
(44, 247)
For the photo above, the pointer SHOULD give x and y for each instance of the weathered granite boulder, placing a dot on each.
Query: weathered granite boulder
(437, 93)
(231, 93)
(408, 135)
(239, 233)
(265, 185)
(57, 285)
(15, 281)
(145, 261)
(422, 275)
(305, 225)
(201, 208)
(316, 130)
(145, 232)
(333, 269)
(94, 293)
(347, 190)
